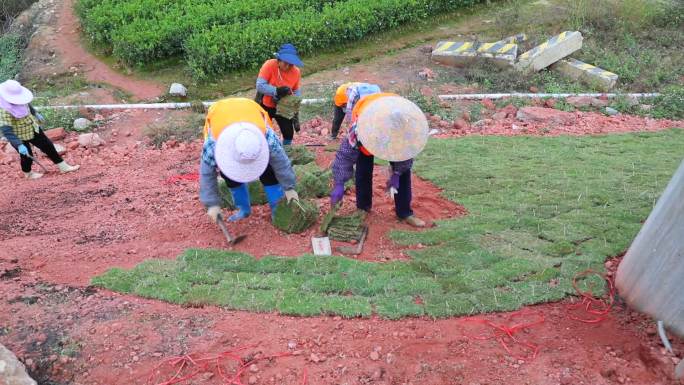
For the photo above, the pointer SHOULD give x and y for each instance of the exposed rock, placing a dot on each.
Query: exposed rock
(540, 114)
(500, 115)
(488, 104)
(460, 124)
(12, 371)
(178, 89)
(90, 140)
(612, 111)
(56, 134)
(426, 74)
(374, 356)
(81, 124)
(73, 145)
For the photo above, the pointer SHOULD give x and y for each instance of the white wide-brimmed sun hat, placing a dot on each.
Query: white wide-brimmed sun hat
(15, 93)
(242, 152)
(393, 128)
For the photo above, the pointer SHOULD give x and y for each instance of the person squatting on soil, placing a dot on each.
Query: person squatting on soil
(20, 123)
(239, 140)
(344, 100)
(390, 127)
(279, 77)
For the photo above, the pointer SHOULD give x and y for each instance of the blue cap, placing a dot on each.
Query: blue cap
(365, 89)
(288, 54)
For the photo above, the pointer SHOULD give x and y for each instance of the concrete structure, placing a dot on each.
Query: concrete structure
(649, 277)
(587, 73)
(463, 53)
(550, 51)
(515, 39)
(12, 371)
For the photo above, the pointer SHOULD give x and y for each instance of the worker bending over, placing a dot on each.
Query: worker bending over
(392, 128)
(239, 140)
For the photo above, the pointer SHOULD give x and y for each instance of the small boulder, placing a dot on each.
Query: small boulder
(178, 89)
(90, 140)
(12, 371)
(81, 124)
(488, 104)
(460, 124)
(612, 111)
(426, 74)
(56, 133)
(499, 115)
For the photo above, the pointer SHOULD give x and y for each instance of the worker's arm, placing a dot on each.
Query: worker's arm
(343, 166)
(263, 87)
(280, 163)
(8, 132)
(209, 195)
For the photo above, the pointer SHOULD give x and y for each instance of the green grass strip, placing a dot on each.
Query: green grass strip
(541, 210)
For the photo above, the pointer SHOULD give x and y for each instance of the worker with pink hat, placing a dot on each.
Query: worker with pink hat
(20, 124)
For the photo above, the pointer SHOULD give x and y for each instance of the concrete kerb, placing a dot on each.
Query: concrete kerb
(455, 53)
(550, 51)
(587, 73)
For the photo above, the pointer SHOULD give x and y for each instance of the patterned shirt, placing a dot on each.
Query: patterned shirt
(24, 128)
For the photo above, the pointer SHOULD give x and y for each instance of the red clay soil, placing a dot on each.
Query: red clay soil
(68, 47)
(58, 232)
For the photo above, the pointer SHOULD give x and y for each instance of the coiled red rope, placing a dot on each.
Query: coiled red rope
(596, 309)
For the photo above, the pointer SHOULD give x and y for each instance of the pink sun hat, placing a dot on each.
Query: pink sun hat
(15, 93)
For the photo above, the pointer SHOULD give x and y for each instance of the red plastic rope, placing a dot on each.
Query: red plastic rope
(502, 332)
(192, 177)
(189, 366)
(597, 309)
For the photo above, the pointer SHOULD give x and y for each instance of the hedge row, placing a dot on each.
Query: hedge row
(211, 53)
(219, 35)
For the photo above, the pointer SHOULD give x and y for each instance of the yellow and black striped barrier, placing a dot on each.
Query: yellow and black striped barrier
(580, 70)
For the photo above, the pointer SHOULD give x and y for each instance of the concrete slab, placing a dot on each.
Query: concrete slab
(465, 53)
(515, 39)
(550, 51)
(587, 73)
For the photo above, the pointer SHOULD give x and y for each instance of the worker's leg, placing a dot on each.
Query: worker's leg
(240, 193)
(44, 143)
(338, 118)
(402, 200)
(286, 129)
(25, 161)
(41, 141)
(364, 182)
(274, 192)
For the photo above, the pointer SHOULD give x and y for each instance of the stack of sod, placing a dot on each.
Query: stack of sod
(312, 181)
(346, 228)
(288, 106)
(295, 217)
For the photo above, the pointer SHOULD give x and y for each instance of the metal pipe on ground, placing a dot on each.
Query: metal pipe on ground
(178, 106)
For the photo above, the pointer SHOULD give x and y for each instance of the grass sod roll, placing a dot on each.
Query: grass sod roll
(296, 216)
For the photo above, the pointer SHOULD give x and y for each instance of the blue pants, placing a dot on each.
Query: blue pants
(364, 188)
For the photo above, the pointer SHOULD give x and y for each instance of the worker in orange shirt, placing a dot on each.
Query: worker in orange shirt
(279, 77)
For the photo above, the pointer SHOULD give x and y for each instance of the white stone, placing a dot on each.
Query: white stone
(12, 371)
(178, 89)
(433, 132)
(81, 124)
(60, 149)
(611, 111)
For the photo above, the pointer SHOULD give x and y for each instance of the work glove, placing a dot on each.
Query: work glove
(213, 213)
(291, 195)
(393, 185)
(336, 194)
(40, 117)
(282, 91)
(23, 150)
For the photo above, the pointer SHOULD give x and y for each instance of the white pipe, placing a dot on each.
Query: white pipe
(177, 106)
(150, 106)
(537, 95)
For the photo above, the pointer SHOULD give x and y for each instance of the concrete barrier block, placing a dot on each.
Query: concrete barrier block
(464, 53)
(587, 73)
(550, 51)
(515, 39)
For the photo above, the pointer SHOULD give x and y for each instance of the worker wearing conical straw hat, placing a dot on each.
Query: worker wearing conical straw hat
(239, 141)
(389, 127)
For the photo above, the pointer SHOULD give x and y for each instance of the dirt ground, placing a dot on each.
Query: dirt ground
(58, 232)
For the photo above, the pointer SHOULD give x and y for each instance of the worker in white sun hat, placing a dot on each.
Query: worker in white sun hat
(239, 141)
(20, 124)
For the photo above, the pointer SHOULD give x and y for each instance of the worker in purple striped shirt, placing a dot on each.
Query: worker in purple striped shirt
(392, 128)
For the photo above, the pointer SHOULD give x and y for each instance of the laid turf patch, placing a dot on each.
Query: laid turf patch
(541, 210)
